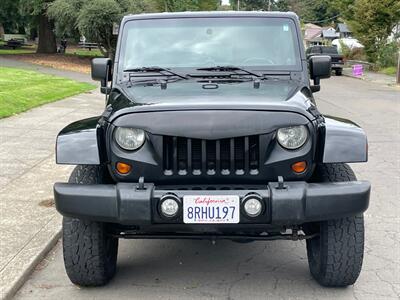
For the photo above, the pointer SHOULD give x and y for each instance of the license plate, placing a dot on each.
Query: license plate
(211, 209)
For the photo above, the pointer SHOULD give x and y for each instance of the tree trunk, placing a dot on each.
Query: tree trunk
(47, 39)
(1, 31)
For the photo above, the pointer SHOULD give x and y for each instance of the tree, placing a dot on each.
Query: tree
(345, 7)
(47, 38)
(267, 5)
(319, 12)
(65, 14)
(96, 24)
(323, 12)
(187, 5)
(373, 22)
(95, 18)
(254, 4)
(10, 18)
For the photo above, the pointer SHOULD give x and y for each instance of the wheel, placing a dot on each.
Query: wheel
(335, 256)
(338, 72)
(90, 255)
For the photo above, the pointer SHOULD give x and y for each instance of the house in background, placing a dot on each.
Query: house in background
(329, 34)
(343, 30)
(315, 35)
(312, 35)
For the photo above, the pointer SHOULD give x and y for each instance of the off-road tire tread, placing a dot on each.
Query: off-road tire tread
(87, 260)
(341, 241)
(334, 173)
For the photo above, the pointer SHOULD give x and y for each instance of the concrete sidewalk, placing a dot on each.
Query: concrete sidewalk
(28, 220)
(372, 77)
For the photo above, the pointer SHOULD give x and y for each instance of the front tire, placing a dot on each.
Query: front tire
(90, 254)
(335, 256)
(338, 72)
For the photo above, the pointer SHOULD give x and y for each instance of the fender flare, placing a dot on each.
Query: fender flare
(81, 143)
(344, 142)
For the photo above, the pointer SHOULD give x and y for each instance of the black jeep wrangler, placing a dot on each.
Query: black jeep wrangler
(211, 131)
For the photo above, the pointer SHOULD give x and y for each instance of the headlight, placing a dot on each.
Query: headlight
(292, 137)
(129, 138)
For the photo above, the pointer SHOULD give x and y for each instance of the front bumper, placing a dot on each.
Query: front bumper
(296, 203)
(337, 65)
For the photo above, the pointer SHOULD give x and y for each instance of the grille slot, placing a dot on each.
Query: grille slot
(185, 156)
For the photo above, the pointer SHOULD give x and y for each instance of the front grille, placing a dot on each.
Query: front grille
(185, 156)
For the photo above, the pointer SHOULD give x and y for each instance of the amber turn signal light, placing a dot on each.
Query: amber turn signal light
(123, 168)
(299, 167)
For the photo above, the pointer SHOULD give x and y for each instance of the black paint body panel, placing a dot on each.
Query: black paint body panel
(345, 141)
(211, 124)
(79, 143)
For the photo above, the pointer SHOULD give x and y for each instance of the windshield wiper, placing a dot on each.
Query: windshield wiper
(155, 69)
(229, 69)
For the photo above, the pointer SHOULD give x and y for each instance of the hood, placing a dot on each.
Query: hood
(280, 95)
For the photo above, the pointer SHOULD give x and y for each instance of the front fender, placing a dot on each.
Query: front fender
(345, 142)
(80, 143)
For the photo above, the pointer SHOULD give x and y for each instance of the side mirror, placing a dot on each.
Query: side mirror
(320, 68)
(101, 71)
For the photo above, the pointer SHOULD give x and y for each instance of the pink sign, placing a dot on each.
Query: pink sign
(358, 70)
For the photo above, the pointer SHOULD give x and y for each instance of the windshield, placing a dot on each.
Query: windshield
(269, 43)
(331, 50)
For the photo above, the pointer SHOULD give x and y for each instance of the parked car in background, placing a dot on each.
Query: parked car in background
(336, 58)
(350, 43)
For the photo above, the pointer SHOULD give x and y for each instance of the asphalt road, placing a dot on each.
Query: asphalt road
(168, 269)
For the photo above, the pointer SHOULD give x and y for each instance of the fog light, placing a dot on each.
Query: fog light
(253, 205)
(169, 206)
(299, 167)
(123, 168)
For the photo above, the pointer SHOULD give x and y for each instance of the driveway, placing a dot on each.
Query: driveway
(168, 269)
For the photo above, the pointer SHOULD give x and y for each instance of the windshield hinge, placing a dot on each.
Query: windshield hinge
(107, 112)
(295, 75)
(315, 113)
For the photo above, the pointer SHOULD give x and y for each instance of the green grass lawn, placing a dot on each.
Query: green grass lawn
(21, 90)
(84, 52)
(17, 51)
(389, 71)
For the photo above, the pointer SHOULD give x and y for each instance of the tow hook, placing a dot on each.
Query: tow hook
(281, 184)
(140, 186)
(295, 233)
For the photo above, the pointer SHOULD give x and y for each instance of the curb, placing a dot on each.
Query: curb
(388, 84)
(18, 270)
(363, 78)
(351, 76)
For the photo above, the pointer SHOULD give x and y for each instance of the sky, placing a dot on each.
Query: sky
(225, 2)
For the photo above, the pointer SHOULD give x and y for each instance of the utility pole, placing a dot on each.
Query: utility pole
(398, 68)
(269, 5)
(238, 4)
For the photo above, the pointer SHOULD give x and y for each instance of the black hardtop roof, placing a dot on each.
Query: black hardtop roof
(212, 14)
